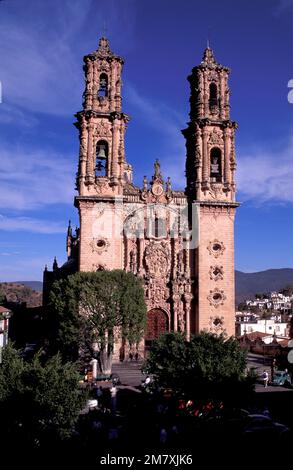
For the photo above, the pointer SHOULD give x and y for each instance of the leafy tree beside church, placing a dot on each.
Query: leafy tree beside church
(40, 400)
(207, 366)
(88, 310)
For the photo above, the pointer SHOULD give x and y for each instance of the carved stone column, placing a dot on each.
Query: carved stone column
(187, 309)
(222, 95)
(83, 149)
(115, 148)
(140, 256)
(176, 309)
(198, 156)
(89, 87)
(90, 156)
(227, 178)
(205, 163)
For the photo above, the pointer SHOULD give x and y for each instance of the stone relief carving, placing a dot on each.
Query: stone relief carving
(103, 129)
(101, 184)
(216, 324)
(216, 137)
(216, 297)
(133, 260)
(99, 245)
(157, 260)
(157, 266)
(216, 273)
(197, 155)
(181, 321)
(216, 248)
(98, 267)
(212, 76)
(215, 190)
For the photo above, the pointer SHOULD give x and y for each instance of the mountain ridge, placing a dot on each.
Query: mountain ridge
(247, 284)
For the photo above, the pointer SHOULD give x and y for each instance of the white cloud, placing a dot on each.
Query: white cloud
(262, 175)
(155, 114)
(282, 6)
(10, 114)
(265, 175)
(9, 253)
(29, 224)
(42, 44)
(30, 179)
(24, 269)
(39, 68)
(168, 122)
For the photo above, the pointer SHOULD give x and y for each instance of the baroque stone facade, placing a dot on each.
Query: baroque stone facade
(181, 243)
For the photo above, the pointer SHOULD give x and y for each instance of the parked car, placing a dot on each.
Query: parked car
(282, 377)
(261, 425)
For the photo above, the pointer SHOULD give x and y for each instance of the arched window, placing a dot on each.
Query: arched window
(101, 158)
(103, 86)
(213, 98)
(216, 164)
(159, 227)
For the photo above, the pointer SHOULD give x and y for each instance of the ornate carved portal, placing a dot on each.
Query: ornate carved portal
(157, 323)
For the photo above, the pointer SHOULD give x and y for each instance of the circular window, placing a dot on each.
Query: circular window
(217, 247)
(101, 243)
(217, 297)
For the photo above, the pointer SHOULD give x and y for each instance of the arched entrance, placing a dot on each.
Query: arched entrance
(157, 323)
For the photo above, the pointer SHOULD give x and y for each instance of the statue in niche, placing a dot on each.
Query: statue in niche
(181, 321)
(133, 261)
(180, 262)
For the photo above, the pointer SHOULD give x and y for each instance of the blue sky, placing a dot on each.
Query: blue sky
(41, 49)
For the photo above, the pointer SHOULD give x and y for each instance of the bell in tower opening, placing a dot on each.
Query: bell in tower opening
(103, 89)
(216, 173)
(213, 101)
(101, 159)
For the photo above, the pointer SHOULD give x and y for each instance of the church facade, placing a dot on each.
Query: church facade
(180, 243)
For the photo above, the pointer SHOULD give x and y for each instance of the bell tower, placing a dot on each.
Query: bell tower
(210, 168)
(101, 125)
(102, 169)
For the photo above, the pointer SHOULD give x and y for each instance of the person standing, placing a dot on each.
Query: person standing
(113, 393)
(265, 377)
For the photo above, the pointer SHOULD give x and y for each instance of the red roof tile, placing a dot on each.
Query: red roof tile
(256, 334)
(4, 309)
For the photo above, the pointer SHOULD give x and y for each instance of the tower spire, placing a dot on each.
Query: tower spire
(102, 125)
(210, 161)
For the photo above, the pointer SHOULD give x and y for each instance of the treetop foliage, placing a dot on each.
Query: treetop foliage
(205, 365)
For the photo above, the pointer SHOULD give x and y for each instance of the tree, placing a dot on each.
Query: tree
(88, 309)
(3, 299)
(242, 307)
(288, 290)
(39, 400)
(207, 366)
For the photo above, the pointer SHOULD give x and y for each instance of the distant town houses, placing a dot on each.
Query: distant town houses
(273, 301)
(265, 319)
(5, 314)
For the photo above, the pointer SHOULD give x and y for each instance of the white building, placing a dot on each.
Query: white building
(5, 314)
(270, 327)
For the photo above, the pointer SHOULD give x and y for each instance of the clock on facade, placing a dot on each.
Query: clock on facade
(157, 189)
